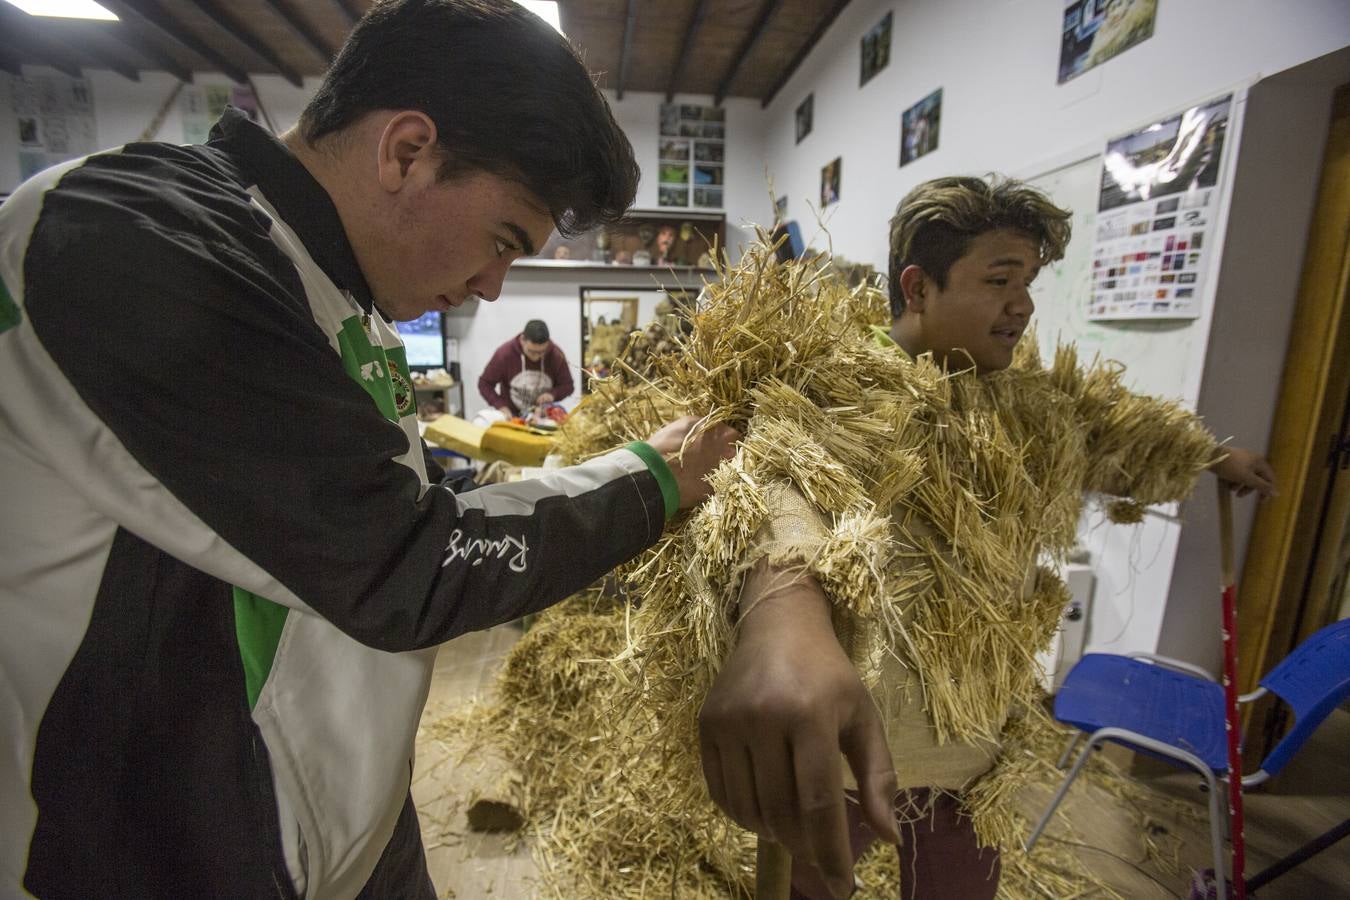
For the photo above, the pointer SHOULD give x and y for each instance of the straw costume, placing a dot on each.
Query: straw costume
(920, 500)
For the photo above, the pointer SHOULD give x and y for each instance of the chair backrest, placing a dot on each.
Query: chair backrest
(1313, 680)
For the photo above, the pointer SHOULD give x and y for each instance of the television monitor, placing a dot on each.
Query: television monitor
(424, 338)
(792, 247)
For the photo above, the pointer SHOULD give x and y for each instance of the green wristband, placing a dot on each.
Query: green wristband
(656, 464)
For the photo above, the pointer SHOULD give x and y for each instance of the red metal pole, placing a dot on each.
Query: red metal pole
(1230, 671)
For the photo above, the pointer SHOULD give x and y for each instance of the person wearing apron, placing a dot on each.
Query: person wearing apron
(527, 371)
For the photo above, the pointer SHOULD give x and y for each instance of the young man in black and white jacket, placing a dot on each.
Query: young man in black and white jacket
(225, 568)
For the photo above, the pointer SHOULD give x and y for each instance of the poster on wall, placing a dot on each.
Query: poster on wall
(1157, 207)
(876, 49)
(55, 118)
(804, 117)
(691, 155)
(919, 127)
(202, 105)
(829, 182)
(1096, 30)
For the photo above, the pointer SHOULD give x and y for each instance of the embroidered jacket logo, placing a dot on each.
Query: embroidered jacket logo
(479, 549)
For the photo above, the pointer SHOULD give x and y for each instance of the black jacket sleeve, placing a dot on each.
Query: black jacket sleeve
(196, 349)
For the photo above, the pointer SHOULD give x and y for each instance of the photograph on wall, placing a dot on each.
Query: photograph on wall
(1176, 155)
(876, 49)
(919, 127)
(1156, 212)
(668, 195)
(691, 155)
(54, 114)
(674, 150)
(804, 117)
(1096, 30)
(829, 182)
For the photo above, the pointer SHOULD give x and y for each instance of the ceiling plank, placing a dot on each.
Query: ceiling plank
(9, 63)
(801, 55)
(348, 16)
(694, 22)
(148, 12)
(751, 37)
(248, 39)
(48, 51)
(626, 51)
(301, 29)
(354, 8)
(123, 33)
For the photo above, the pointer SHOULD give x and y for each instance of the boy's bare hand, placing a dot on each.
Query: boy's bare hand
(701, 455)
(784, 707)
(1246, 471)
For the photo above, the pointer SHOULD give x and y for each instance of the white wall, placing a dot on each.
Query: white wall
(746, 193)
(553, 295)
(124, 109)
(996, 63)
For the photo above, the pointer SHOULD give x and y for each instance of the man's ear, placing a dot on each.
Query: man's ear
(916, 287)
(407, 154)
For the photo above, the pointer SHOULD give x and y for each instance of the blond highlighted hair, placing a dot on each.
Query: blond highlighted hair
(934, 224)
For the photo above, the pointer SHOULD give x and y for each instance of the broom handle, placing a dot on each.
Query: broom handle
(773, 870)
(1230, 673)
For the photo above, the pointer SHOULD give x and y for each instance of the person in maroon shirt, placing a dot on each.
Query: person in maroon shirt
(526, 372)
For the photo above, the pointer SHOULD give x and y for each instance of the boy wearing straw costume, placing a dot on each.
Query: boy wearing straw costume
(971, 607)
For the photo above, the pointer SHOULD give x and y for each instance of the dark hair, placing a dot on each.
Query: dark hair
(935, 223)
(508, 95)
(536, 332)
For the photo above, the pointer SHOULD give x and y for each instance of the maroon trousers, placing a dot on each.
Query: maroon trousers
(940, 858)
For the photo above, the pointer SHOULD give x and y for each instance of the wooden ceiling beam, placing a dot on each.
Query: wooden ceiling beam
(150, 51)
(626, 48)
(685, 46)
(301, 29)
(800, 57)
(354, 8)
(48, 51)
(248, 39)
(9, 63)
(150, 13)
(756, 31)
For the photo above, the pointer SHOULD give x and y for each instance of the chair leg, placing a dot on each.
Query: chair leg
(1068, 749)
(1059, 795)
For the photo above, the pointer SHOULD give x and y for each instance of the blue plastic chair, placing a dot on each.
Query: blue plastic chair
(1174, 711)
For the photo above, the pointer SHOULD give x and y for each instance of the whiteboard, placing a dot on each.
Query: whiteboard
(1155, 353)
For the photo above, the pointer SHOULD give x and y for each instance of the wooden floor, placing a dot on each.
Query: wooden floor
(1312, 796)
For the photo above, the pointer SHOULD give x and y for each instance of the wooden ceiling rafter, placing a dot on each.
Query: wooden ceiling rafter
(150, 13)
(302, 30)
(800, 57)
(244, 36)
(749, 48)
(695, 20)
(626, 47)
(56, 55)
(123, 33)
(766, 11)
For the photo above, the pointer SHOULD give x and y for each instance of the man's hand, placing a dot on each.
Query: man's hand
(785, 705)
(544, 399)
(1246, 471)
(701, 455)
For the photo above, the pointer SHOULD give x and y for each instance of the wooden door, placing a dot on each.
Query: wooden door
(1296, 559)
